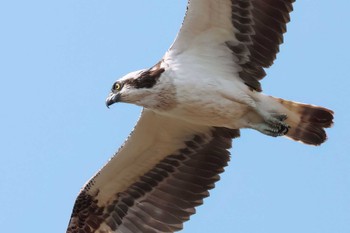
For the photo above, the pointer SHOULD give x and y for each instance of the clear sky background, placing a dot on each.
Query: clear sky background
(58, 60)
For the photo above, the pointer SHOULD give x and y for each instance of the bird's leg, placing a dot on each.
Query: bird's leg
(272, 123)
(261, 117)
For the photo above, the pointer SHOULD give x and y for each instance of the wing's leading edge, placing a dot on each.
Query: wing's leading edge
(255, 31)
(155, 180)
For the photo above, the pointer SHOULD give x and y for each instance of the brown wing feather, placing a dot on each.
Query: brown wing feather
(162, 198)
(259, 26)
(257, 31)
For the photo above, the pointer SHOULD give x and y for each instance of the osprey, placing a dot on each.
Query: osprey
(195, 100)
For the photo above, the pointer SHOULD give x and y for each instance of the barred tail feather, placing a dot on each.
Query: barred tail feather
(307, 122)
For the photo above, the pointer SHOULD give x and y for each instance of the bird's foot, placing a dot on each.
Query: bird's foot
(274, 125)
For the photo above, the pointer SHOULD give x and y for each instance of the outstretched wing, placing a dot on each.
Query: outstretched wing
(155, 180)
(256, 26)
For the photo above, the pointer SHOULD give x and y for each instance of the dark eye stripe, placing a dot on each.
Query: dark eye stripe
(146, 79)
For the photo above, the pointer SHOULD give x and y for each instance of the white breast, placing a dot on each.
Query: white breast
(208, 89)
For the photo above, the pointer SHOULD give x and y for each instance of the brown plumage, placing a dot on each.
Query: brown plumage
(162, 198)
(260, 27)
(307, 122)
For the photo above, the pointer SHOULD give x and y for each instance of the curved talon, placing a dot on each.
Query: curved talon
(274, 125)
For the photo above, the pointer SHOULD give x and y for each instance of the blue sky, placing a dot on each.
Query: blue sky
(58, 60)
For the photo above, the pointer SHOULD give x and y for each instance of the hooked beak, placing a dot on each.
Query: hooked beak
(112, 98)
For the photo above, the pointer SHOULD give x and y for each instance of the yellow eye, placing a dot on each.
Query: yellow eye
(117, 86)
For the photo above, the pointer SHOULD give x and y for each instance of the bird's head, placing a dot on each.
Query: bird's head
(139, 87)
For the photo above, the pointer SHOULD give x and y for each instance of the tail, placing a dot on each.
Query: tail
(307, 122)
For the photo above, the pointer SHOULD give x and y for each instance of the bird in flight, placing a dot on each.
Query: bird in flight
(195, 100)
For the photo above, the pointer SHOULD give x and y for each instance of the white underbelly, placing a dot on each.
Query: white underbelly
(208, 88)
(216, 112)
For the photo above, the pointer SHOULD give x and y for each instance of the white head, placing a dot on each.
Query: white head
(139, 87)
